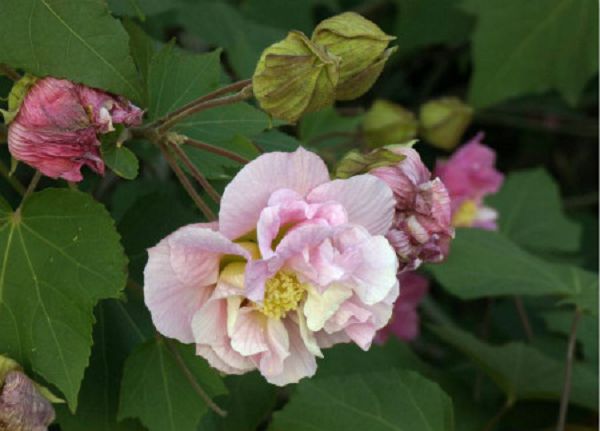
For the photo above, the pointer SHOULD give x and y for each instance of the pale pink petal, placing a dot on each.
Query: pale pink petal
(271, 362)
(318, 307)
(299, 364)
(249, 333)
(368, 201)
(249, 192)
(180, 276)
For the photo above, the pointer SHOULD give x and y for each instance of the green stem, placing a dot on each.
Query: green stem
(9, 72)
(215, 150)
(15, 184)
(566, 391)
(199, 176)
(524, 319)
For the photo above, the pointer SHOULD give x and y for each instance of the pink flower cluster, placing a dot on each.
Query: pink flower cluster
(57, 125)
(469, 176)
(295, 264)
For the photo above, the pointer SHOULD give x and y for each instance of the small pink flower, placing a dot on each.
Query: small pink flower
(296, 264)
(405, 320)
(57, 125)
(21, 405)
(469, 176)
(421, 231)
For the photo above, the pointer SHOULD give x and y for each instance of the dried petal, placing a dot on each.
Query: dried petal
(22, 407)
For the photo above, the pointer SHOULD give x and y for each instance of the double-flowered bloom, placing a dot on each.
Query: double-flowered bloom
(469, 176)
(295, 264)
(57, 126)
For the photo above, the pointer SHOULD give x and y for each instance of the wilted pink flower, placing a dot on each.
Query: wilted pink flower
(405, 320)
(22, 408)
(421, 231)
(470, 175)
(296, 263)
(57, 125)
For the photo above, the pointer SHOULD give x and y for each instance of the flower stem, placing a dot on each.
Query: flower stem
(491, 425)
(215, 150)
(15, 184)
(566, 391)
(208, 188)
(30, 189)
(9, 72)
(201, 105)
(208, 213)
(192, 379)
(524, 319)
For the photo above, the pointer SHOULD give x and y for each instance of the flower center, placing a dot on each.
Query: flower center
(283, 293)
(465, 214)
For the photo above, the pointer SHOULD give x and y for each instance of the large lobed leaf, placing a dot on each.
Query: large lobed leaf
(375, 401)
(77, 40)
(531, 212)
(523, 372)
(157, 391)
(531, 47)
(59, 255)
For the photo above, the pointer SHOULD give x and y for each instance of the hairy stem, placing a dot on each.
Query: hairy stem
(171, 119)
(14, 183)
(523, 317)
(9, 72)
(566, 391)
(208, 213)
(190, 377)
(215, 150)
(208, 188)
(30, 189)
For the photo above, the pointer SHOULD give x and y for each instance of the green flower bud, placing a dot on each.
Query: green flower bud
(16, 96)
(443, 121)
(362, 48)
(356, 163)
(388, 123)
(295, 76)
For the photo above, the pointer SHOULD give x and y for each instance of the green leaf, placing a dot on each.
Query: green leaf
(142, 48)
(77, 40)
(60, 254)
(274, 140)
(531, 212)
(157, 391)
(140, 8)
(427, 22)
(120, 326)
(221, 24)
(532, 47)
(121, 160)
(483, 263)
(295, 15)
(522, 372)
(375, 401)
(249, 402)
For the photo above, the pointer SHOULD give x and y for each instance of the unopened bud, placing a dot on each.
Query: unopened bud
(443, 121)
(22, 407)
(388, 123)
(294, 77)
(362, 47)
(356, 163)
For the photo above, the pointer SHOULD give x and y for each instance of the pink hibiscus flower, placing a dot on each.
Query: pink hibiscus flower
(405, 320)
(57, 125)
(469, 176)
(421, 231)
(296, 263)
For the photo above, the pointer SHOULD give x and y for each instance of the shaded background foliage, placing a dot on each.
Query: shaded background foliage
(530, 71)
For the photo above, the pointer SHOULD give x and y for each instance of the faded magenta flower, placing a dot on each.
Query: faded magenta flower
(296, 263)
(56, 127)
(421, 231)
(469, 176)
(22, 407)
(405, 320)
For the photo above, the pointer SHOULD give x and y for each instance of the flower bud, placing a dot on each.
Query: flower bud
(362, 48)
(56, 127)
(22, 407)
(356, 163)
(443, 121)
(388, 123)
(294, 77)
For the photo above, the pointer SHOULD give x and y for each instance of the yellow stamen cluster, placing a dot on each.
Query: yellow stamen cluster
(465, 215)
(283, 293)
